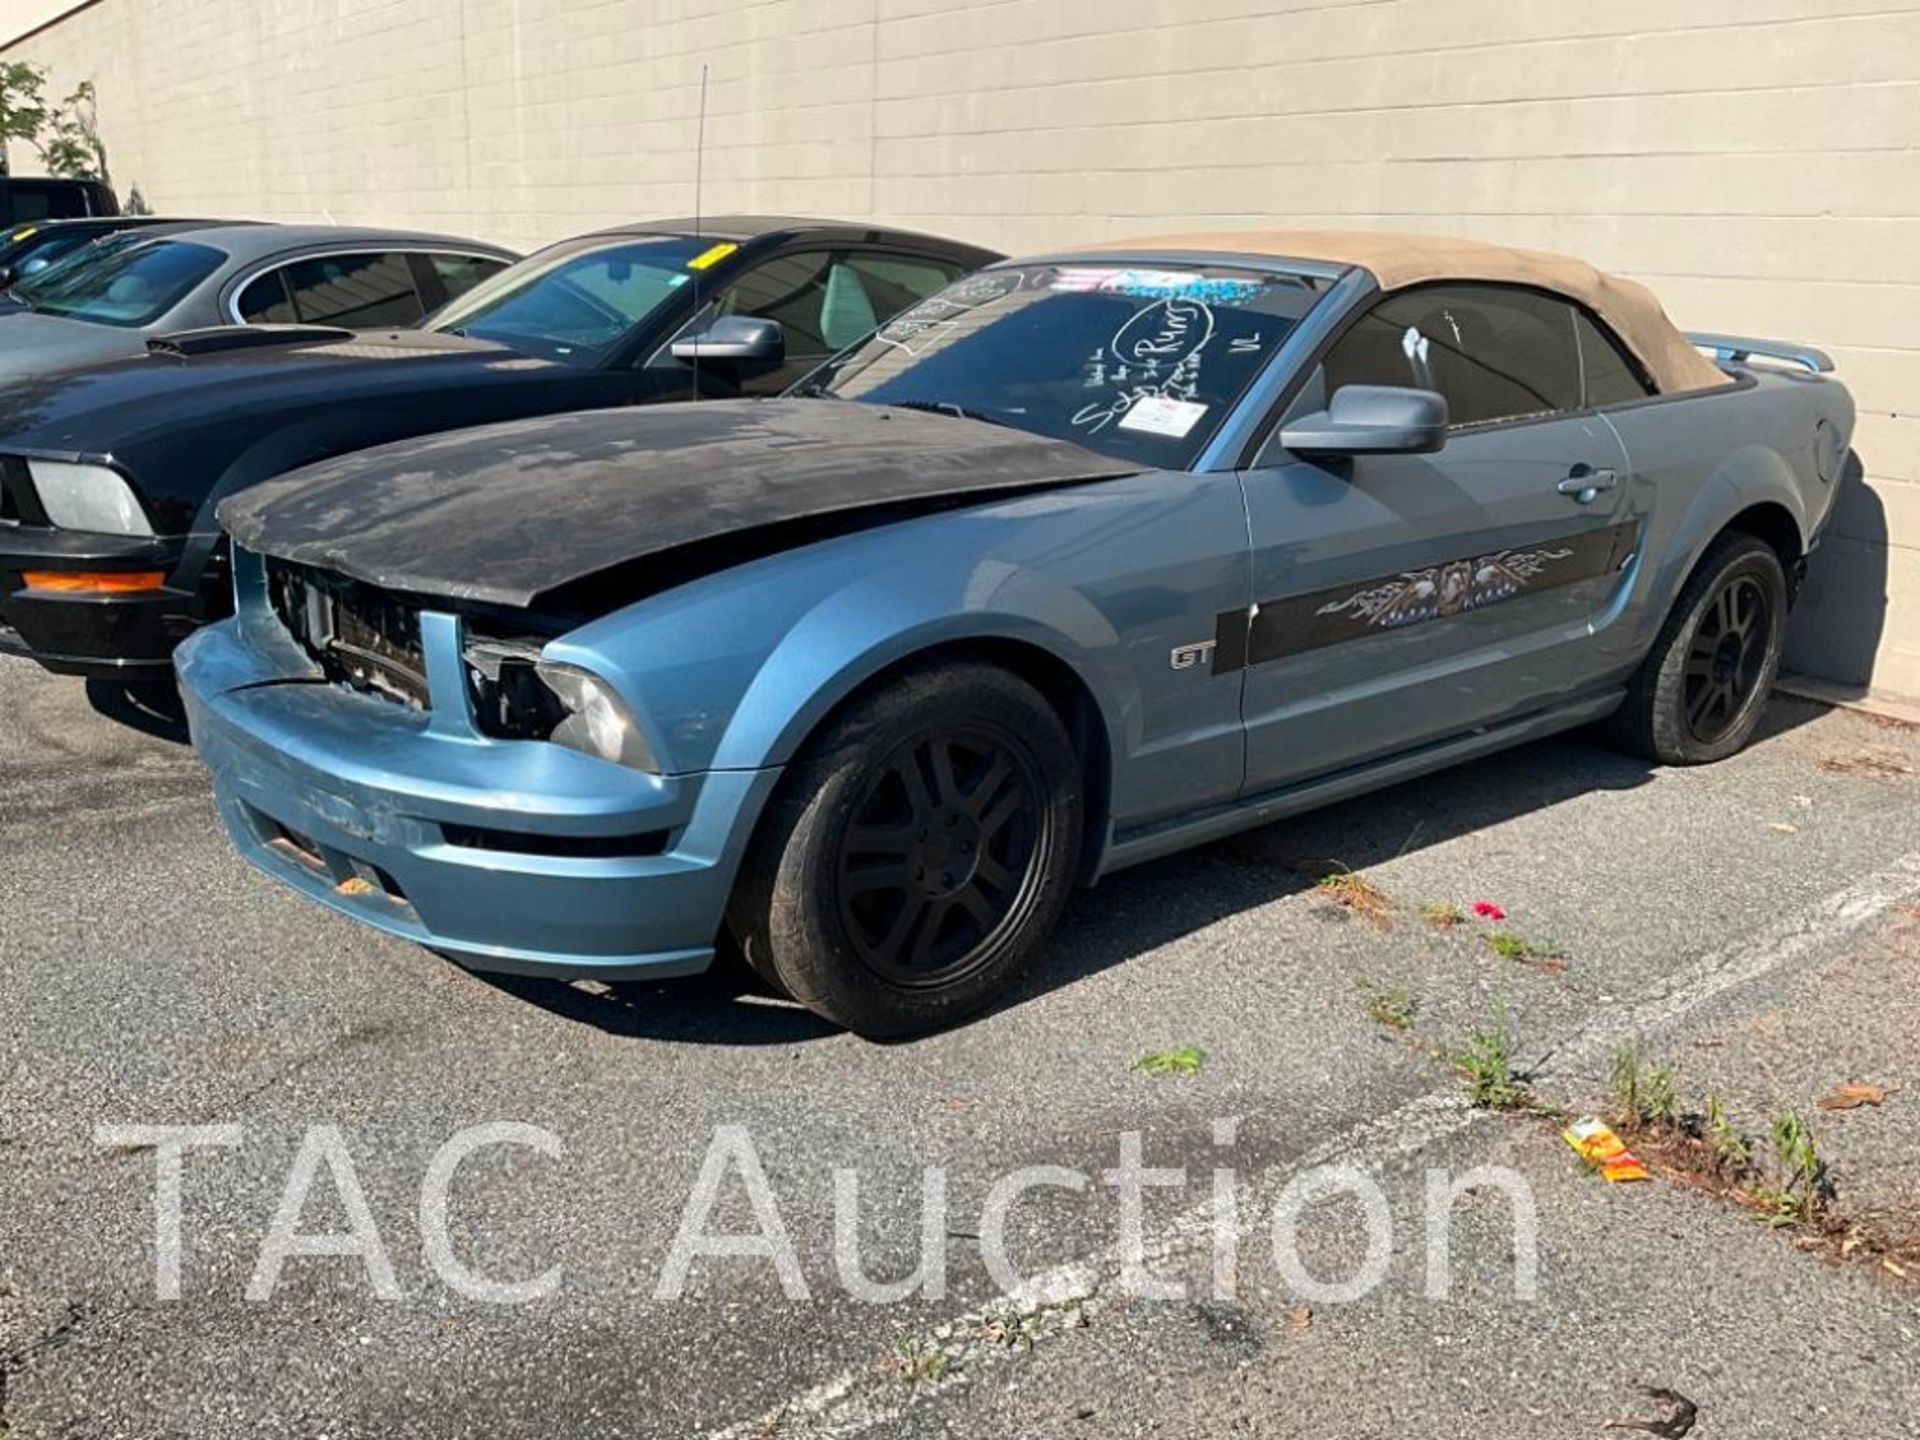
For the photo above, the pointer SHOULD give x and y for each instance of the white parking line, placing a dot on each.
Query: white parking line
(856, 1400)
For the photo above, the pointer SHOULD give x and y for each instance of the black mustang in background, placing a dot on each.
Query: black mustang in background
(109, 475)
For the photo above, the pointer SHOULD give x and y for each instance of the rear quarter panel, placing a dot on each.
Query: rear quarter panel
(1709, 455)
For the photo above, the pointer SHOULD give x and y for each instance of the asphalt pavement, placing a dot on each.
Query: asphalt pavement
(1754, 923)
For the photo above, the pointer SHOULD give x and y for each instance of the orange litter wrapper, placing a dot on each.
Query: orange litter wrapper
(1593, 1141)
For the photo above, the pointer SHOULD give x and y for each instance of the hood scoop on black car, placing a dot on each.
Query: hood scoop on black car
(218, 339)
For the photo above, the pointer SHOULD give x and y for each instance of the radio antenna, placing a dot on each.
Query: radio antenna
(699, 167)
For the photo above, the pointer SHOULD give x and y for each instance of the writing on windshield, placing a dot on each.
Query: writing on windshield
(1139, 362)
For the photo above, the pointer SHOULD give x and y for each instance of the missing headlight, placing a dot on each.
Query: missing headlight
(509, 700)
(517, 695)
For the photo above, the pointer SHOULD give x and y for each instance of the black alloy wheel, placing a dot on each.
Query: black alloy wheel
(1727, 657)
(917, 852)
(939, 863)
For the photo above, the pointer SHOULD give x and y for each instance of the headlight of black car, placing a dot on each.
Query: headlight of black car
(88, 497)
(519, 696)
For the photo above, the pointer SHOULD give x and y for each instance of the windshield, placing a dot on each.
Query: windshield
(1139, 363)
(96, 247)
(577, 301)
(125, 279)
(30, 257)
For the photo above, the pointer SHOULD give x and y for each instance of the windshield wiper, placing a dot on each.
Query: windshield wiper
(947, 407)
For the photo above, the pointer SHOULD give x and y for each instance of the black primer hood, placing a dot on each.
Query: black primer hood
(505, 513)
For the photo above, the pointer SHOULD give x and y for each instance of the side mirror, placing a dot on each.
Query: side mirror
(7, 276)
(735, 338)
(1372, 420)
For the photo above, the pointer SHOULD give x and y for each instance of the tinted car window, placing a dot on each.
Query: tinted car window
(890, 283)
(577, 301)
(29, 249)
(899, 280)
(133, 283)
(1142, 364)
(28, 205)
(1496, 353)
(826, 302)
(354, 291)
(265, 301)
(1607, 376)
(794, 291)
(458, 274)
(93, 252)
(36, 255)
(33, 200)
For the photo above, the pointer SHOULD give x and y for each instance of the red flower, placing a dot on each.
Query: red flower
(1487, 910)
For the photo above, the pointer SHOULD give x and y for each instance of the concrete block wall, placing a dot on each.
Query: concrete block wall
(1753, 160)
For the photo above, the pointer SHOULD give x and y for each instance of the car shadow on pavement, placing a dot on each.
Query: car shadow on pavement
(1142, 909)
(152, 708)
(727, 1005)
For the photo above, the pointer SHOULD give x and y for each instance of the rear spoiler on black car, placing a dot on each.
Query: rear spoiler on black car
(1738, 349)
(214, 339)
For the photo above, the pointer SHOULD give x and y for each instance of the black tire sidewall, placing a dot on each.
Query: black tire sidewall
(785, 913)
(1731, 557)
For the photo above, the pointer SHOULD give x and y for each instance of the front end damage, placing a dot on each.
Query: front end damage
(352, 759)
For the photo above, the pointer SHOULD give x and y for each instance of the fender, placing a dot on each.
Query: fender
(314, 436)
(799, 668)
(805, 636)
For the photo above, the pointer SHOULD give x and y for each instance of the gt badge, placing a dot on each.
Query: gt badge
(1186, 657)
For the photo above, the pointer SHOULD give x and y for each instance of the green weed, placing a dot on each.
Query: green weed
(1487, 1063)
(1392, 1006)
(1185, 1061)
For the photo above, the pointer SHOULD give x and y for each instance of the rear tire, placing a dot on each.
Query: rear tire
(1700, 693)
(916, 854)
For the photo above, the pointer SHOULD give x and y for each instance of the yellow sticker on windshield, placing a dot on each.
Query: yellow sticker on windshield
(708, 258)
(25, 232)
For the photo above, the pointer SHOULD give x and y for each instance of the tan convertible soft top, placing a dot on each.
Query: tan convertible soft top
(1398, 260)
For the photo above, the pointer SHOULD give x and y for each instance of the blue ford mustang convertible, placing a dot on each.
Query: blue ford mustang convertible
(1083, 560)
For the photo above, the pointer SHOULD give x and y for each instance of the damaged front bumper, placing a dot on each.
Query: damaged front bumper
(505, 855)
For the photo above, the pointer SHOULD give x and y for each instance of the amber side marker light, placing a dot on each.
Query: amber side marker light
(95, 582)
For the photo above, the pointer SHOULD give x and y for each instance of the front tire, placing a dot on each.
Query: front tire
(917, 853)
(1699, 695)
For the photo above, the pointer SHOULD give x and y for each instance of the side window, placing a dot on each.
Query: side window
(793, 290)
(28, 202)
(1607, 376)
(1372, 352)
(888, 284)
(458, 274)
(1495, 352)
(826, 302)
(265, 301)
(66, 202)
(354, 291)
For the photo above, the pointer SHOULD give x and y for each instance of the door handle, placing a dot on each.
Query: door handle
(1584, 483)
